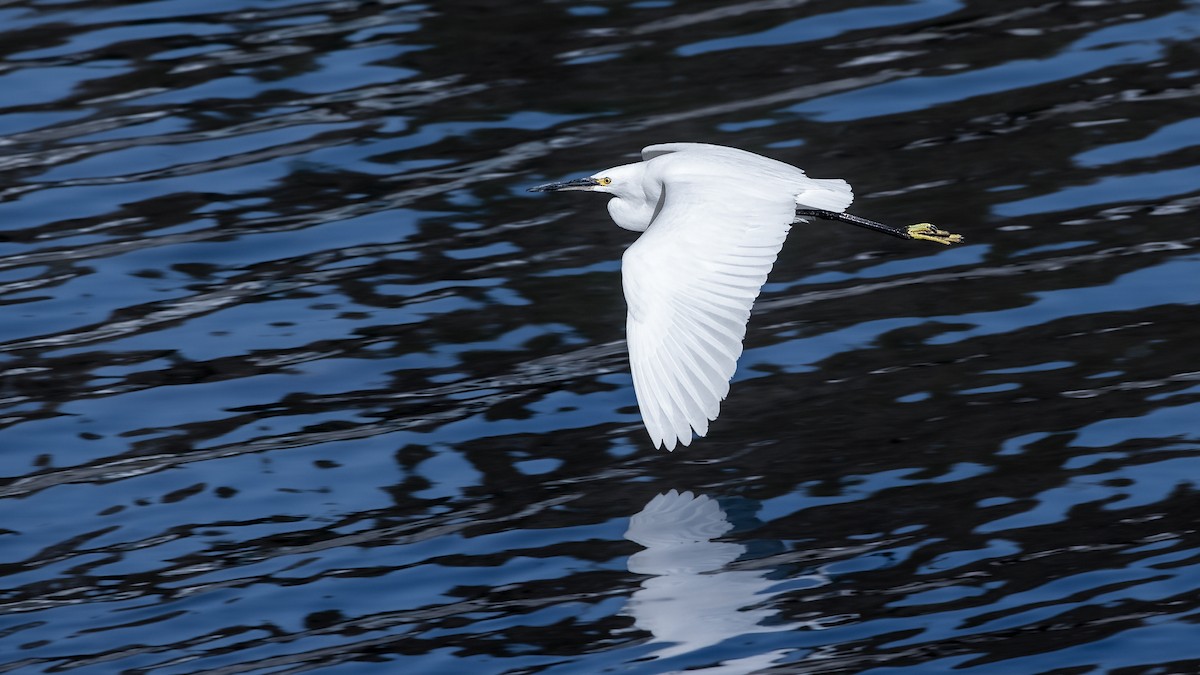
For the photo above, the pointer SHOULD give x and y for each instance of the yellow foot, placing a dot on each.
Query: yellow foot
(927, 232)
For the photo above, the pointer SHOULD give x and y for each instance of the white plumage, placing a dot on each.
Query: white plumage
(692, 277)
(713, 220)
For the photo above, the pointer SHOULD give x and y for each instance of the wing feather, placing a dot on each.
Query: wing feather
(711, 346)
(690, 281)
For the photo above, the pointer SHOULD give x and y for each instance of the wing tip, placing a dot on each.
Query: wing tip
(670, 440)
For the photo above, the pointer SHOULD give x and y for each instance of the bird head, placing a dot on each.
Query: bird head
(619, 181)
(630, 207)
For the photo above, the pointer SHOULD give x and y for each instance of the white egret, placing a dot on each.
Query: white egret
(713, 220)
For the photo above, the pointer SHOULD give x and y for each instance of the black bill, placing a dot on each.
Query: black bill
(576, 184)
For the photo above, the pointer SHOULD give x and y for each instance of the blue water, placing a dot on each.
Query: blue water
(296, 377)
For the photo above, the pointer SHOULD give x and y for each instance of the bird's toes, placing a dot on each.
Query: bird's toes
(927, 232)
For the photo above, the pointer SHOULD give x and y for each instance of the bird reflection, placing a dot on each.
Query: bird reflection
(689, 603)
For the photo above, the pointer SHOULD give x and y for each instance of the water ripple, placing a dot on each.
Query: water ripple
(296, 376)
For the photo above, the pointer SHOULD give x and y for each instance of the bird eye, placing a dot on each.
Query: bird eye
(605, 181)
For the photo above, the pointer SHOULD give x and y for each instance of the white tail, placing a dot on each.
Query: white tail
(828, 194)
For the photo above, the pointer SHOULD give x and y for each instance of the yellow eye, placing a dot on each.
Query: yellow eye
(605, 181)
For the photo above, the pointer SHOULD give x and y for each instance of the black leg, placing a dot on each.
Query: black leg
(922, 231)
(854, 220)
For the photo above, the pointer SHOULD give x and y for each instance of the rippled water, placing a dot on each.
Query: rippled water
(297, 377)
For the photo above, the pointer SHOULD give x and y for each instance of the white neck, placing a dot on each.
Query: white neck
(631, 214)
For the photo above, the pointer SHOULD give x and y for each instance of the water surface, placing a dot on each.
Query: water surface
(297, 377)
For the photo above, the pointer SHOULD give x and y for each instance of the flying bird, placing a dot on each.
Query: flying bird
(713, 220)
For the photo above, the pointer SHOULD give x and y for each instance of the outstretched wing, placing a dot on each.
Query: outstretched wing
(690, 281)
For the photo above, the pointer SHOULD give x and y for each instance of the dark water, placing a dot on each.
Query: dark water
(296, 376)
